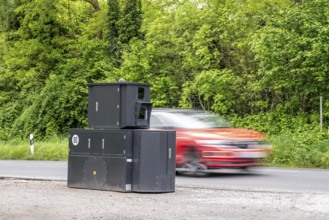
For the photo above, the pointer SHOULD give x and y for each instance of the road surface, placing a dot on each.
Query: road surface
(37, 190)
(265, 178)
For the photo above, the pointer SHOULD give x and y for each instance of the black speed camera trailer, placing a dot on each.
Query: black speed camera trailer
(119, 152)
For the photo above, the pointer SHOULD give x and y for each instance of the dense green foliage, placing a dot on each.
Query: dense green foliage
(262, 64)
(300, 149)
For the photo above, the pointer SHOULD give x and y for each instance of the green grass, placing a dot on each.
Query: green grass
(301, 149)
(55, 148)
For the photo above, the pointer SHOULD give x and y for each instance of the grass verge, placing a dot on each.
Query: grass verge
(55, 148)
(308, 149)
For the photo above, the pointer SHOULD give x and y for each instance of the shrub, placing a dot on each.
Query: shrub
(300, 149)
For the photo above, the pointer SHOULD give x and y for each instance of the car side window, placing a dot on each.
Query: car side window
(155, 122)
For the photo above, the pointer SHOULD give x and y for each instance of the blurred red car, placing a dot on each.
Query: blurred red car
(205, 141)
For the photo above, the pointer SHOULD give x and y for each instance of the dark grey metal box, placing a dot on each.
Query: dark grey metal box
(100, 159)
(139, 160)
(100, 172)
(119, 105)
(154, 161)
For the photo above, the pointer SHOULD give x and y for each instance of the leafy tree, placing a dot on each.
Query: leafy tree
(8, 19)
(292, 51)
(113, 17)
(32, 55)
(187, 43)
(130, 22)
(262, 63)
(45, 65)
(95, 4)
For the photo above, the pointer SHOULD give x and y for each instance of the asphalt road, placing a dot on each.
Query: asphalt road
(38, 190)
(263, 179)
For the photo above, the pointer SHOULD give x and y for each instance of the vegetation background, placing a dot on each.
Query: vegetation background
(261, 64)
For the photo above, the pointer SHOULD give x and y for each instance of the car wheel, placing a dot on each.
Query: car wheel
(193, 165)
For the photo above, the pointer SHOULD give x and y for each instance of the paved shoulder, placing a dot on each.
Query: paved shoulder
(49, 170)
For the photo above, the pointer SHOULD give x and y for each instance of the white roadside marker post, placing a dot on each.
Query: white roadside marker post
(31, 144)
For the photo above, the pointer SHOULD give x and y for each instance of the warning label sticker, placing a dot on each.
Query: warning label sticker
(75, 140)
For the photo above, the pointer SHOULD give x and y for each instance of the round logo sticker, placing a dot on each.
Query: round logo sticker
(75, 140)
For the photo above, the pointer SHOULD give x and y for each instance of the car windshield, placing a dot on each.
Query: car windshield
(187, 119)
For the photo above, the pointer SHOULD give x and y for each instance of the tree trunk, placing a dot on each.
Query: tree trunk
(95, 4)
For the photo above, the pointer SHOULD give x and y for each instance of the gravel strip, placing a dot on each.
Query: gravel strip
(36, 199)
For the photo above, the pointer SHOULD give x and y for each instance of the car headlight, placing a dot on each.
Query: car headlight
(216, 144)
(213, 142)
(214, 154)
(234, 144)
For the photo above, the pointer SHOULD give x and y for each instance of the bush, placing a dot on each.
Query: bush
(300, 149)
